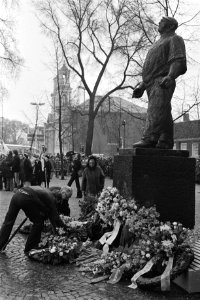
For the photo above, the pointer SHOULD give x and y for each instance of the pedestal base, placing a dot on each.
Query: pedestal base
(165, 178)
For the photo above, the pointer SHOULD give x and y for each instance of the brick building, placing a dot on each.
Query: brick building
(119, 123)
(187, 136)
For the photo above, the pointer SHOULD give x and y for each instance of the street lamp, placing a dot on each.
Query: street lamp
(81, 87)
(124, 124)
(37, 105)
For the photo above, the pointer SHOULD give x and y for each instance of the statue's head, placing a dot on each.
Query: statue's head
(167, 24)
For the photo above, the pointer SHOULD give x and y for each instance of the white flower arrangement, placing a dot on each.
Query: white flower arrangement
(111, 206)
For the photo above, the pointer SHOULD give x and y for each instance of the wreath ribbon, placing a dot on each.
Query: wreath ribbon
(165, 277)
(146, 269)
(108, 238)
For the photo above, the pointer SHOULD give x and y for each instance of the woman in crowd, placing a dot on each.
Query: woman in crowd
(93, 178)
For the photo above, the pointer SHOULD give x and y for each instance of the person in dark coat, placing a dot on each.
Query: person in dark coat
(47, 169)
(28, 170)
(93, 178)
(16, 168)
(37, 171)
(38, 204)
(76, 167)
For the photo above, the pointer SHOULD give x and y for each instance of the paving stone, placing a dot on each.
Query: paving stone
(21, 278)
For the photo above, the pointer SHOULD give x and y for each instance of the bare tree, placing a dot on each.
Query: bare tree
(10, 60)
(98, 32)
(104, 42)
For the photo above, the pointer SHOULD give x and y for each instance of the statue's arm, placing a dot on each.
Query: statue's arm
(177, 68)
(139, 90)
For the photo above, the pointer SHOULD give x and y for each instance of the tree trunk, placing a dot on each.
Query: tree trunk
(89, 137)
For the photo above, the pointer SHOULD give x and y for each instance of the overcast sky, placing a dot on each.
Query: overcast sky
(35, 82)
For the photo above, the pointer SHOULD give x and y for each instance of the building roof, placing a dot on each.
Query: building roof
(114, 104)
(187, 130)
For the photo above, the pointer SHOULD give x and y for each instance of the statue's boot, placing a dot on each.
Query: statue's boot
(164, 145)
(144, 144)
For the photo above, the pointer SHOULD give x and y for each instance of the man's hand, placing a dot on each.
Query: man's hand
(139, 90)
(166, 82)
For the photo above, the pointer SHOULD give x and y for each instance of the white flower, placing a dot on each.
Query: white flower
(52, 250)
(167, 244)
(124, 205)
(115, 206)
(165, 227)
(114, 191)
(115, 200)
(174, 238)
(175, 223)
(148, 255)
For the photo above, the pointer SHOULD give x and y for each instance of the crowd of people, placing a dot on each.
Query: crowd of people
(18, 170)
(22, 170)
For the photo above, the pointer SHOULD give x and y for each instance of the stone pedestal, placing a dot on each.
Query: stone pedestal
(165, 178)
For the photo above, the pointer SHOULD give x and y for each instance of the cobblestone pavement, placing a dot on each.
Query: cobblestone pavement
(21, 278)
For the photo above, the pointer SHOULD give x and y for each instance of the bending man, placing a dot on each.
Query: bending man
(38, 204)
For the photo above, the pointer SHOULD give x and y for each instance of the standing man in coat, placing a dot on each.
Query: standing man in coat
(165, 61)
(76, 167)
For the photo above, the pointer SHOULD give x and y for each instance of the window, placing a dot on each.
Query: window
(183, 146)
(64, 79)
(195, 149)
(64, 100)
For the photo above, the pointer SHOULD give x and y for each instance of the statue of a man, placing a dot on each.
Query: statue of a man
(165, 61)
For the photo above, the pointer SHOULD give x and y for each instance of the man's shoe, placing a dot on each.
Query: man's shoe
(144, 144)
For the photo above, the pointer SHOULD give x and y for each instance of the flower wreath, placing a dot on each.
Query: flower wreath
(183, 258)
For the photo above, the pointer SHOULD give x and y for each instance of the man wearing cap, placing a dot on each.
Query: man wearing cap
(165, 61)
(38, 204)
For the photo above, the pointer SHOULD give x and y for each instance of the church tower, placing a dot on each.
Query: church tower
(65, 89)
(52, 141)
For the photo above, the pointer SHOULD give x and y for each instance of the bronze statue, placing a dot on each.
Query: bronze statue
(165, 61)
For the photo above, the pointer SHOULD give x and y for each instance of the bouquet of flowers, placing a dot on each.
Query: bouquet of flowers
(56, 249)
(156, 237)
(106, 264)
(111, 206)
(88, 206)
(74, 228)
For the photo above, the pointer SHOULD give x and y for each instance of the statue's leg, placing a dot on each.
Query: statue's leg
(159, 123)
